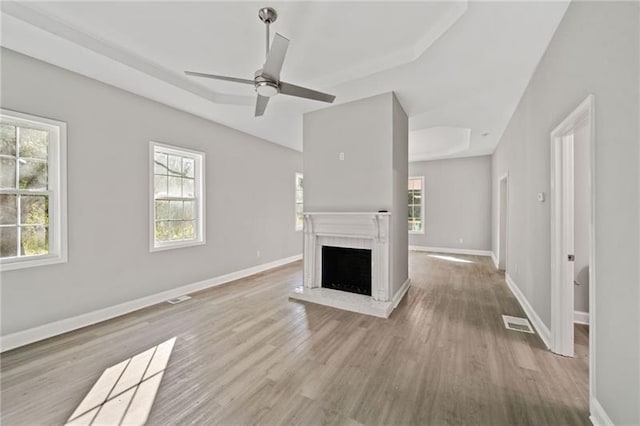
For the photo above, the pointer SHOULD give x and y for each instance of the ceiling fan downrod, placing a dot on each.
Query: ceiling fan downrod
(267, 15)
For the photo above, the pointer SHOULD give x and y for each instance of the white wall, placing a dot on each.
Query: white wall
(249, 200)
(595, 50)
(457, 203)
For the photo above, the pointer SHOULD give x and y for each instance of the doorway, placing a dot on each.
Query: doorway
(503, 203)
(572, 218)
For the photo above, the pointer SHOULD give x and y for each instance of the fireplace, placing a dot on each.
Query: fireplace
(347, 263)
(346, 269)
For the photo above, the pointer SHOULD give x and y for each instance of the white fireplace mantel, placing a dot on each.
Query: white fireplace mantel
(360, 230)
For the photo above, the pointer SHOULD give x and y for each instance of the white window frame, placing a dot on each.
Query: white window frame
(421, 231)
(56, 190)
(295, 201)
(200, 192)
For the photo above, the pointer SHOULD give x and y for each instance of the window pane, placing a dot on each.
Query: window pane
(176, 230)
(175, 165)
(7, 173)
(162, 210)
(188, 188)
(176, 210)
(160, 163)
(35, 240)
(189, 229)
(8, 241)
(163, 231)
(299, 196)
(299, 208)
(7, 139)
(160, 186)
(34, 210)
(175, 186)
(189, 210)
(34, 143)
(416, 212)
(188, 167)
(33, 174)
(8, 209)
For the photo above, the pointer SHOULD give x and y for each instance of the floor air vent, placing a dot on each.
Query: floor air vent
(517, 324)
(178, 299)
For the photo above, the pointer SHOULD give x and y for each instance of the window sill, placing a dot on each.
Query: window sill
(31, 262)
(176, 245)
(416, 232)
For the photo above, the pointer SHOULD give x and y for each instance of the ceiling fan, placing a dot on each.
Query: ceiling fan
(267, 81)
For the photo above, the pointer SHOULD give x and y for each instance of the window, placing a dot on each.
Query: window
(33, 215)
(299, 202)
(416, 205)
(177, 202)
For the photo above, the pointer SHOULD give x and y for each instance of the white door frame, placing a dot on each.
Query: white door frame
(562, 290)
(504, 178)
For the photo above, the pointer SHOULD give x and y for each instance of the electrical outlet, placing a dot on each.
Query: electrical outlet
(341, 156)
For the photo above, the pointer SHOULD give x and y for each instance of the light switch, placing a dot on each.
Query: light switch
(541, 197)
(341, 156)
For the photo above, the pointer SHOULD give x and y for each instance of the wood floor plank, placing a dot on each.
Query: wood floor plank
(246, 354)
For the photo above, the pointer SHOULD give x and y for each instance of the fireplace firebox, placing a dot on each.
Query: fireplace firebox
(346, 269)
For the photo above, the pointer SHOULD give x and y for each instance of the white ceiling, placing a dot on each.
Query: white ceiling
(458, 68)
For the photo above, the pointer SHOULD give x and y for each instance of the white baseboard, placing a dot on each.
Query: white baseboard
(451, 250)
(45, 331)
(580, 317)
(397, 298)
(542, 329)
(598, 416)
(495, 260)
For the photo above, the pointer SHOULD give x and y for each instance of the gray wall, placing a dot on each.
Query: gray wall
(249, 204)
(399, 239)
(595, 50)
(457, 203)
(373, 135)
(364, 180)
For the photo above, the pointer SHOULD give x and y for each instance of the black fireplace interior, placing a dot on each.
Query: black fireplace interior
(346, 269)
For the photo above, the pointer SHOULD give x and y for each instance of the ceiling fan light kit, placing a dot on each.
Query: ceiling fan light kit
(267, 79)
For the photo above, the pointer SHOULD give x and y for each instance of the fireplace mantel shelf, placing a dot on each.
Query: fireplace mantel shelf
(346, 213)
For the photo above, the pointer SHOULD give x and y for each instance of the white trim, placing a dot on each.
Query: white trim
(580, 317)
(495, 260)
(404, 288)
(562, 291)
(422, 204)
(542, 329)
(56, 187)
(45, 331)
(598, 416)
(200, 197)
(451, 250)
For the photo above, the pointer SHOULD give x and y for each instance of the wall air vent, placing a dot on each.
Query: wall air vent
(179, 299)
(517, 324)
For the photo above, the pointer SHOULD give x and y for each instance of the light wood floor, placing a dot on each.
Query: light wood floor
(245, 354)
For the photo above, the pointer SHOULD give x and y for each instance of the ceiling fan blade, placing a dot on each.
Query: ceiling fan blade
(261, 105)
(303, 92)
(275, 57)
(219, 77)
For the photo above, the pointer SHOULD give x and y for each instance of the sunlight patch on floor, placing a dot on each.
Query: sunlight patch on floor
(450, 258)
(125, 392)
